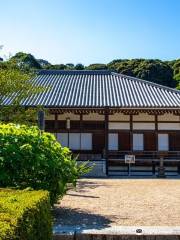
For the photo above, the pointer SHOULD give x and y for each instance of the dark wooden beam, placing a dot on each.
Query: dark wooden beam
(127, 111)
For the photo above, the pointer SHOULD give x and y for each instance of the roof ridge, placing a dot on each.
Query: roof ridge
(80, 72)
(147, 82)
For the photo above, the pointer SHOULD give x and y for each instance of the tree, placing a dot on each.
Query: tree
(25, 61)
(43, 63)
(153, 70)
(70, 66)
(97, 66)
(56, 67)
(1, 59)
(15, 86)
(79, 66)
(30, 158)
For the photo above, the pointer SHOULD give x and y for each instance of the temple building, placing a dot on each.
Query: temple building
(104, 116)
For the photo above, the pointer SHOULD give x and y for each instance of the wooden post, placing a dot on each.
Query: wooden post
(41, 120)
(106, 137)
(80, 128)
(131, 133)
(155, 155)
(156, 131)
(56, 122)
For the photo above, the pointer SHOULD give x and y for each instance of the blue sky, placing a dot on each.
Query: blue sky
(91, 31)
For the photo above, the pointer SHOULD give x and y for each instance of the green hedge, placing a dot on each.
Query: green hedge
(25, 215)
(31, 158)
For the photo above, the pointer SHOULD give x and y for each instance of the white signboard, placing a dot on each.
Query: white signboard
(129, 159)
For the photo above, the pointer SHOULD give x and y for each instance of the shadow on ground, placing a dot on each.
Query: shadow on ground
(78, 218)
(84, 186)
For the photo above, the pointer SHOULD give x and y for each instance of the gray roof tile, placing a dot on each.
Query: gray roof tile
(100, 89)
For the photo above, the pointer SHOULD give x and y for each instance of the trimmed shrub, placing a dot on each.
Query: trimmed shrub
(25, 215)
(31, 158)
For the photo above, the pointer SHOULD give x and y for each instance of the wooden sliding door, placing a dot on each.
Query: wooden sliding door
(124, 141)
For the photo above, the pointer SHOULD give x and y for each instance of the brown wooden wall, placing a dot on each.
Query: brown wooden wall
(124, 141)
(174, 141)
(98, 141)
(149, 141)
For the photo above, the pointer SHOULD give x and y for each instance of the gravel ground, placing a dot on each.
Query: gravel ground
(121, 202)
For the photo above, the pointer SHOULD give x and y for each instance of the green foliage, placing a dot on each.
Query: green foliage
(152, 70)
(31, 158)
(25, 215)
(19, 115)
(43, 63)
(57, 67)
(70, 66)
(176, 70)
(97, 66)
(25, 61)
(161, 72)
(13, 81)
(79, 66)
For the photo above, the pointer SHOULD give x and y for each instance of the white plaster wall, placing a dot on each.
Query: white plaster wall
(169, 126)
(117, 125)
(119, 117)
(113, 141)
(143, 126)
(168, 117)
(93, 117)
(68, 115)
(98, 168)
(143, 117)
(49, 116)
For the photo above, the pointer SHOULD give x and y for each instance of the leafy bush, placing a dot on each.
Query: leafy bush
(31, 158)
(25, 215)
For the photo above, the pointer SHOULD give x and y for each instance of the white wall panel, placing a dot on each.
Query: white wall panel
(143, 117)
(49, 116)
(168, 117)
(113, 141)
(63, 139)
(117, 125)
(138, 142)
(74, 141)
(68, 115)
(169, 126)
(163, 142)
(143, 126)
(93, 117)
(86, 141)
(119, 117)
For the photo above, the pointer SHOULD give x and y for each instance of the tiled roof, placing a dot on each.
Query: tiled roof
(81, 89)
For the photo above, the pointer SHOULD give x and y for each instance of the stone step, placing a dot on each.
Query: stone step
(118, 233)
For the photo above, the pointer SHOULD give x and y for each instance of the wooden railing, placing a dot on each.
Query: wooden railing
(153, 155)
(139, 155)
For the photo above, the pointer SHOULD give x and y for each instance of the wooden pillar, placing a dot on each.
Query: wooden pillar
(106, 137)
(81, 122)
(41, 120)
(56, 122)
(156, 131)
(131, 133)
(80, 128)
